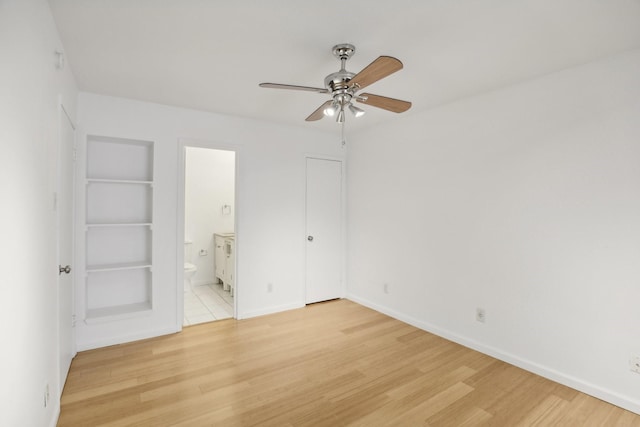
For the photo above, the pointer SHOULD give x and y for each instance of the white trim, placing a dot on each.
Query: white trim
(343, 219)
(324, 157)
(56, 414)
(202, 282)
(270, 310)
(90, 345)
(607, 395)
(66, 113)
(62, 114)
(183, 143)
(180, 235)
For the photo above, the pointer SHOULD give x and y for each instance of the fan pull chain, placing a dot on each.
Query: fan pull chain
(344, 141)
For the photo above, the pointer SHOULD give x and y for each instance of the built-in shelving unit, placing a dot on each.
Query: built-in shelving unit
(118, 229)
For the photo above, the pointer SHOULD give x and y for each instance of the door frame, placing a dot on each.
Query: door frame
(183, 143)
(343, 219)
(63, 114)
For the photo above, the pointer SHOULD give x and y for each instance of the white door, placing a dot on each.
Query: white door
(324, 230)
(64, 208)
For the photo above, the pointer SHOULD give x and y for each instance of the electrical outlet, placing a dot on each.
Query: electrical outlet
(481, 315)
(634, 364)
(269, 287)
(385, 288)
(203, 252)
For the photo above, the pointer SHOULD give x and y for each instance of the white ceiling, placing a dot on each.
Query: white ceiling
(210, 55)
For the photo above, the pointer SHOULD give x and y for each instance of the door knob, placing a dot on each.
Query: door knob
(310, 238)
(65, 269)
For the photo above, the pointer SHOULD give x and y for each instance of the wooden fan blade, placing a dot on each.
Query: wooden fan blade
(293, 87)
(378, 69)
(319, 113)
(390, 104)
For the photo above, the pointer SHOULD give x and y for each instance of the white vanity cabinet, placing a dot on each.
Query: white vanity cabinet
(219, 257)
(225, 260)
(230, 250)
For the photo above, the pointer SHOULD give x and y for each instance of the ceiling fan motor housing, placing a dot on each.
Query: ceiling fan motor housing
(338, 85)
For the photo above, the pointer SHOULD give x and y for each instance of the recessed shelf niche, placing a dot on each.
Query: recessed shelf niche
(118, 202)
(118, 228)
(119, 159)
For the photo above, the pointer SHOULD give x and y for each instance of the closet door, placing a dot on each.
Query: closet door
(64, 207)
(324, 253)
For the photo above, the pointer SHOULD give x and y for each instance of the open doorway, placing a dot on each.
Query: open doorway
(208, 285)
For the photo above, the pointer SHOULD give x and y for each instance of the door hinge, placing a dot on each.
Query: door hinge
(73, 320)
(75, 154)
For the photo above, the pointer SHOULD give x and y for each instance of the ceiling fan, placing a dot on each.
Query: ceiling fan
(343, 87)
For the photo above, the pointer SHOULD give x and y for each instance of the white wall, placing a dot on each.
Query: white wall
(270, 239)
(30, 87)
(523, 201)
(209, 185)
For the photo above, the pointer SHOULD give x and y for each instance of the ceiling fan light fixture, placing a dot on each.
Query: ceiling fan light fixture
(358, 112)
(330, 111)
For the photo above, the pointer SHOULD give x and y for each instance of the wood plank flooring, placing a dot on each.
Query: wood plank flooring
(328, 364)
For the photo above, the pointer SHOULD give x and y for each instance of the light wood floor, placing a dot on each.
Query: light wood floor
(329, 364)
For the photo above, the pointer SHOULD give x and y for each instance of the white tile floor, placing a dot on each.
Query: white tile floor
(207, 303)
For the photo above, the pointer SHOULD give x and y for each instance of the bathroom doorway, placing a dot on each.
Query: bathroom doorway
(208, 285)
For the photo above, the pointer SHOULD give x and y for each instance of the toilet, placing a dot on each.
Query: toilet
(189, 269)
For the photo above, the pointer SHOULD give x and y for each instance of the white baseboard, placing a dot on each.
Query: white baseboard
(202, 282)
(269, 310)
(121, 339)
(601, 393)
(56, 415)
